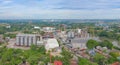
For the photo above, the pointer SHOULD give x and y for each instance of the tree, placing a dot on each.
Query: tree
(100, 59)
(10, 35)
(115, 54)
(33, 60)
(33, 47)
(92, 44)
(83, 61)
(42, 49)
(42, 32)
(107, 44)
(66, 57)
(111, 60)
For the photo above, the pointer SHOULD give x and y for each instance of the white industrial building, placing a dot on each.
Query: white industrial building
(48, 29)
(51, 44)
(8, 26)
(36, 27)
(70, 34)
(28, 39)
(79, 31)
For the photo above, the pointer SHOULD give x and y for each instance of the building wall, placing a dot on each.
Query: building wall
(79, 45)
(26, 40)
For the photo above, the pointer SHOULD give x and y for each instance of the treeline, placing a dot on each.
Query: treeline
(110, 35)
(99, 58)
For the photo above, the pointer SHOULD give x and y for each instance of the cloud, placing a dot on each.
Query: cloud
(4, 2)
(81, 9)
(89, 4)
(7, 1)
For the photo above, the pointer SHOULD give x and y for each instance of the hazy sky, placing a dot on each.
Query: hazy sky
(59, 9)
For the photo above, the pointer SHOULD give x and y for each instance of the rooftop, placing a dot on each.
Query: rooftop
(27, 35)
(57, 63)
(116, 63)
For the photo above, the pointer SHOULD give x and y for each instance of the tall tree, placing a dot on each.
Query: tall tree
(92, 44)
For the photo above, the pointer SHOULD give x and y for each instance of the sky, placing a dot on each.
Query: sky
(59, 9)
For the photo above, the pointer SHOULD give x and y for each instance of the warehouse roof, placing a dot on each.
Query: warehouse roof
(51, 43)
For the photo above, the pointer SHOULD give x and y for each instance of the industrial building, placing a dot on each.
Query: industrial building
(48, 29)
(28, 39)
(79, 33)
(71, 34)
(51, 44)
(79, 43)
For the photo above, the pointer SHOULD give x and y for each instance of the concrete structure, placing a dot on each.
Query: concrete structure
(73, 62)
(51, 44)
(79, 31)
(82, 34)
(8, 26)
(48, 29)
(115, 43)
(70, 34)
(36, 27)
(58, 49)
(28, 39)
(79, 43)
(7, 39)
(48, 35)
(92, 52)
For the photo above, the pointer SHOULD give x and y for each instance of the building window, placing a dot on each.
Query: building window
(31, 40)
(19, 40)
(23, 41)
(27, 41)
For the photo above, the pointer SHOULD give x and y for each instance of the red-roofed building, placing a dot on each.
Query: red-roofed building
(116, 63)
(73, 62)
(57, 63)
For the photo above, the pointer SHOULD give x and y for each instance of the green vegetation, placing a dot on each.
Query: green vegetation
(100, 59)
(16, 56)
(107, 44)
(115, 54)
(9, 35)
(37, 54)
(92, 44)
(111, 60)
(2, 30)
(65, 58)
(34, 55)
(103, 60)
(116, 48)
(83, 61)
